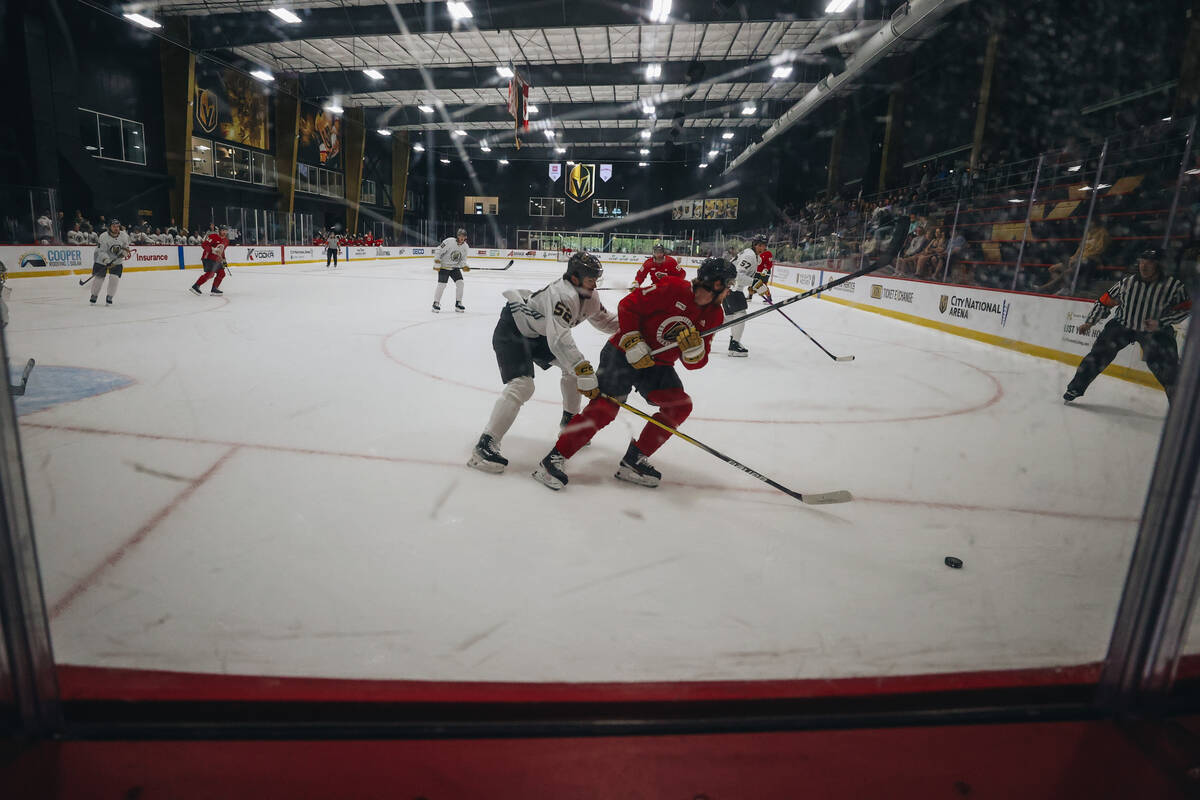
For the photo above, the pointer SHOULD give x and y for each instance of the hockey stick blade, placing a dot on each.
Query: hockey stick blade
(88, 278)
(844, 358)
(493, 269)
(18, 390)
(822, 498)
(820, 346)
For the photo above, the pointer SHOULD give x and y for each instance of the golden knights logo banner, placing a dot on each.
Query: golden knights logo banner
(581, 182)
(231, 106)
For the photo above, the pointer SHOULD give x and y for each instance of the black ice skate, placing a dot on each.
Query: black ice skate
(736, 350)
(108, 300)
(636, 469)
(92, 299)
(459, 307)
(196, 290)
(1070, 395)
(216, 291)
(486, 456)
(551, 471)
(436, 306)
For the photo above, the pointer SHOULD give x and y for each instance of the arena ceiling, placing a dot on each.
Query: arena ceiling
(723, 65)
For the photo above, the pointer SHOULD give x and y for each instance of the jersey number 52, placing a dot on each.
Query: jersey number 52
(562, 312)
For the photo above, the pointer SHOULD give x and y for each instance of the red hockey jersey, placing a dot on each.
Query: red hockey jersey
(657, 271)
(214, 247)
(659, 311)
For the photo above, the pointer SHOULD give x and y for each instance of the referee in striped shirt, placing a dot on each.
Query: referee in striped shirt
(1146, 305)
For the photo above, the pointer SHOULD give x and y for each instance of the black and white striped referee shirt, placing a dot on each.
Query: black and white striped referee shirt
(1134, 301)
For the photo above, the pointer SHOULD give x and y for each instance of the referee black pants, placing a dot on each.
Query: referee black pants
(1162, 356)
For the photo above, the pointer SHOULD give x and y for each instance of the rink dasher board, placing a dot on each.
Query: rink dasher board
(1037, 325)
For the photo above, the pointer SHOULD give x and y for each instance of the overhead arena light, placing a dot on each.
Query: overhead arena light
(145, 22)
(384, 132)
(703, 165)
(425, 109)
(713, 153)
(660, 10)
(560, 149)
(549, 134)
(727, 135)
(419, 148)
(1193, 171)
(1016, 200)
(334, 107)
(531, 109)
(782, 72)
(653, 71)
(643, 152)
(460, 133)
(1075, 168)
(570, 163)
(641, 163)
(485, 148)
(262, 75)
(458, 10)
(647, 108)
(285, 14)
(504, 161)
(373, 74)
(645, 134)
(504, 72)
(748, 109)
(837, 6)
(1167, 119)
(444, 160)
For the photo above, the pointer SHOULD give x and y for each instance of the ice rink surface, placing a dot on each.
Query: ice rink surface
(274, 483)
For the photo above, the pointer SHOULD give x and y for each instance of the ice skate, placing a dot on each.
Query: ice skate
(437, 307)
(216, 291)
(92, 299)
(551, 470)
(195, 290)
(736, 350)
(108, 300)
(459, 307)
(1070, 396)
(635, 468)
(486, 456)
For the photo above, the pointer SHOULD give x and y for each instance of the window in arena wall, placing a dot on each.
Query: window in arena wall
(202, 156)
(112, 138)
(547, 207)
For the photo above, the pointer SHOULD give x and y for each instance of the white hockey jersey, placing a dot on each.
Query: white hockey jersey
(746, 265)
(111, 249)
(334, 242)
(451, 254)
(553, 311)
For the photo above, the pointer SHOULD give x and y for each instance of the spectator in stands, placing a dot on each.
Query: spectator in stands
(957, 248)
(906, 264)
(931, 261)
(1087, 256)
(193, 238)
(44, 228)
(76, 235)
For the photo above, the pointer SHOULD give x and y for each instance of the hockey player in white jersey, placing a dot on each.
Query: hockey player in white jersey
(746, 264)
(536, 329)
(112, 248)
(451, 260)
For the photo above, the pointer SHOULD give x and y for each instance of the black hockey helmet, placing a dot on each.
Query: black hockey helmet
(583, 264)
(1151, 254)
(713, 270)
(759, 239)
(114, 221)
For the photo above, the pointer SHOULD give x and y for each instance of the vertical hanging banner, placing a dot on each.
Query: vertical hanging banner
(605, 172)
(555, 171)
(518, 105)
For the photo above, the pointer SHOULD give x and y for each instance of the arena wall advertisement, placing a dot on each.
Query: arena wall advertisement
(1032, 324)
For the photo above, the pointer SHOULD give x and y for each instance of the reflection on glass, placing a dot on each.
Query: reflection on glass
(111, 138)
(134, 141)
(202, 156)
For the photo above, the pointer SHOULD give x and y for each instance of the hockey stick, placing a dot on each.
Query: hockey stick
(776, 306)
(88, 278)
(479, 269)
(19, 389)
(814, 341)
(812, 499)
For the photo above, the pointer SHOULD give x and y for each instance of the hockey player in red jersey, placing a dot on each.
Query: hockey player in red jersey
(213, 259)
(762, 280)
(658, 266)
(670, 311)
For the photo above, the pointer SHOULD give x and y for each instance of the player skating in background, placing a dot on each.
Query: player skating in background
(451, 260)
(658, 266)
(536, 329)
(670, 311)
(333, 243)
(747, 265)
(762, 284)
(1145, 305)
(112, 248)
(212, 257)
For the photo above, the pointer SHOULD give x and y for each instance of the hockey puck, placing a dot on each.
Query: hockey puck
(951, 561)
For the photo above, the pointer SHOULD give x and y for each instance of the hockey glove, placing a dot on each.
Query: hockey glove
(691, 345)
(756, 285)
(585, 380)
(465, 268)
(637, 352)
